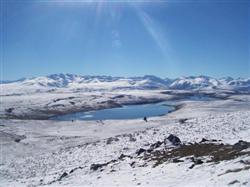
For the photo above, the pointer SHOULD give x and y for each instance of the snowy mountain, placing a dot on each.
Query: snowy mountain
(105, 82)
(205, 82)
(83, 83)
(193, 82)
(240, 84)
(225, 80)
(10, 81)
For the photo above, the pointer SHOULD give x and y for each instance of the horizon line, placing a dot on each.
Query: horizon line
(121, 76)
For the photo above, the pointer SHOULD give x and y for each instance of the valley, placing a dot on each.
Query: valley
(39, 151)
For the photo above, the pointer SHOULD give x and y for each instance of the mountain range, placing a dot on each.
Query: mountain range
(72, 81)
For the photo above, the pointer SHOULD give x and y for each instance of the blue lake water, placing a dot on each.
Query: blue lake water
(200, 98)
(125, 112)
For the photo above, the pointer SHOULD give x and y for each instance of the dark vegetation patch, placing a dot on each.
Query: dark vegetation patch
(216, 152)
(212, 150)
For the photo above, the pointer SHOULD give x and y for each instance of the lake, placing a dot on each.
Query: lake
(125, 112)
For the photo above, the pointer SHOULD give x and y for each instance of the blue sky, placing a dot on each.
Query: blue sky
(125, 38)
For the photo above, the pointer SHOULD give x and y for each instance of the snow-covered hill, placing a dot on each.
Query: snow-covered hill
(83, 83)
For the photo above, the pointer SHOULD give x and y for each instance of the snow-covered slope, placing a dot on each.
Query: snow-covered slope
(88, 83)
(242, 84)
(106, 153)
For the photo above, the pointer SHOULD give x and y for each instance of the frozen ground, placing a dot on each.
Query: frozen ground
(105, 153)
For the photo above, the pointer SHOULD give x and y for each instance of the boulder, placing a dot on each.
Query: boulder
(173, 139)
(9, 110)
(95, 167)
(140, 151)
(240, 145)
(63, 175)
(155, 145)
(181, 121)
(203, 140)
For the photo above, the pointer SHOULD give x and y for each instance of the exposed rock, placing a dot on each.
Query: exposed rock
(240, 145)
(196, 162)
(124, 156)
(244, 183)
(140, 151)
(95, 167)
(156, 145)
(9, 110)
(150, 150)
(234, 182)
(203, 140)
(17, 140)
(213, 140)
(247, 162)
(176, 160)
(111, 139)
(173, 139)
(216, 152)
(63, 175)
(131, 138)
(74, 169)
(132, 164)
(191, 167)
(183, 120)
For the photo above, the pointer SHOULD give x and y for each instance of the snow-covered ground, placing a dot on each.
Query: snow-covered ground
(105, 153)
(45, 105)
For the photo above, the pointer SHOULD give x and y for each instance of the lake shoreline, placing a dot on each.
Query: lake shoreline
(46, 112)
(80, 115)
